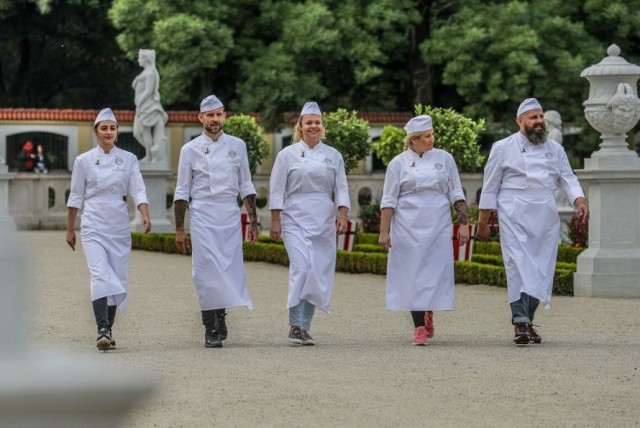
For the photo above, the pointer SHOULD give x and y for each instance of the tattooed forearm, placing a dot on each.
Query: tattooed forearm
(461, 209)
(250, 205)
(180, 208)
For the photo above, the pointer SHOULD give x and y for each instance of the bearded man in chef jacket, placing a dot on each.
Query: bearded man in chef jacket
(520, 178)
(213, 170)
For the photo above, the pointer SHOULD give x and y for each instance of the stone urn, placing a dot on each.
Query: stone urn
(613, 107)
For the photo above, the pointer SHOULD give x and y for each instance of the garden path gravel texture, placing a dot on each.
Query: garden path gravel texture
(363, 371)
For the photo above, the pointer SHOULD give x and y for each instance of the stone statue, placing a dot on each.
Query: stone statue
(553, 122)
(150, 119)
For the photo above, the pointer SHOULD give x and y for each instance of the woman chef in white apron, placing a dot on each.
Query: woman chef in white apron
(100, 180)
(308, 182)
(420, 185)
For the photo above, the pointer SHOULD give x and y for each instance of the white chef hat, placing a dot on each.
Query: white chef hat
(105, 114)
(210, 103)
(528, 104)
(419, 124)
(310, 108)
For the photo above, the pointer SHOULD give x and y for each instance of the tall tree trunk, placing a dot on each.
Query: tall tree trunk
(421, 73)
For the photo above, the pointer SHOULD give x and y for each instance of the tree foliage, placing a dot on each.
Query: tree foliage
(496, 54)
(478, 57)
(349, 135)
(389, 144)
(61, 54)
(454, 133)
(247, 129)
(271, 56)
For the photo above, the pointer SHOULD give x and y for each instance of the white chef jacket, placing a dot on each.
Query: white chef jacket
(420, 190)
(520, 180)
(303, 182)
(213, 174)
(99, 183)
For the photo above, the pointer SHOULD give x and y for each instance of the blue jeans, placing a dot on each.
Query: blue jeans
(523, 309)
(300, 315)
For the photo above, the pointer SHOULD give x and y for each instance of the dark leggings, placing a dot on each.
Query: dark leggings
(418, 318)
(105, 315)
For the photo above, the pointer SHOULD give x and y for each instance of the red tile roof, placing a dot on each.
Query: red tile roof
(184, 116)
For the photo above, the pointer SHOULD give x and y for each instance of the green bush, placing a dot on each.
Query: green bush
(389, 144)
(246, 128)
(369, 216)
(454, 133)
(347, 134)
(569, 254)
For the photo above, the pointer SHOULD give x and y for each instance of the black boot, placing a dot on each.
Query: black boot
(211, 336)
(112, 318)
(222, 324)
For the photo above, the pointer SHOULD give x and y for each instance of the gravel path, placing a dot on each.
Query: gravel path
(363, 371)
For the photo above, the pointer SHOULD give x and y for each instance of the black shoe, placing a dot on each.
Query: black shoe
(535, 337)
(221, 326)
(295, 336)
(104, 339)
(307, 340)
(522, 334)
(212, 339)
(112, 342)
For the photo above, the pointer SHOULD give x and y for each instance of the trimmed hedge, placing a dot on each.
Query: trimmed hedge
(497, 261)
(367, 238)
(485, 268)
(368, 248)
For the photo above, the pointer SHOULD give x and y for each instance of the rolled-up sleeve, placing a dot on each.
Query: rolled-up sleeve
(278, 183)
(391, 188)
(568, 181)
(244, 179)
(341, 187)
(78, 183)
(456, 193)
(137, 189)
(492, 179)
(183, 183)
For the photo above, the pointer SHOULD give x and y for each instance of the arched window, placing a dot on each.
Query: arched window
(55, 147)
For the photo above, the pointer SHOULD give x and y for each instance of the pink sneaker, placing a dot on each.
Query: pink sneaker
(419, 336)
(428, 324)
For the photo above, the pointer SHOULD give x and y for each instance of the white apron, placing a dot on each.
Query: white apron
(106, 240)
(309, 234)
(217, 265)
(529, 228)
(420, 264)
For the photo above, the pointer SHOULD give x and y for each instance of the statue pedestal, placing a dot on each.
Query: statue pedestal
(155, 180)
(5, 219)
(47, 389)
(58, 391)
(610, 267)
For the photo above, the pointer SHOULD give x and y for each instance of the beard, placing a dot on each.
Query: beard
(536, 135)
(210, 128)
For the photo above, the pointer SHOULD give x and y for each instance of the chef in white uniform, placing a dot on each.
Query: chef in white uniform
(308, 182)
(213, 170)
(100, 180)
(420, 185)
(520, 179)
